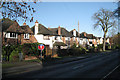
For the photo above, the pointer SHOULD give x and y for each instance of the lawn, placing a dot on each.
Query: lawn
(20, 63)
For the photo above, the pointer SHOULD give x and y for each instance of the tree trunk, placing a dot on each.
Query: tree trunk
(104, 41)
(8, 57)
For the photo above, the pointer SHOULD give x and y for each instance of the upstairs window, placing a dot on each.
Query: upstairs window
(46, 38)
(26, 36)
(13, 35)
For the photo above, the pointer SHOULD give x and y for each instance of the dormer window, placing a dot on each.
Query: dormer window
(26, 36)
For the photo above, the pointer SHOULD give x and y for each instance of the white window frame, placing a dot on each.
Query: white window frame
(26, 36)
(12, 35)
(46, 37)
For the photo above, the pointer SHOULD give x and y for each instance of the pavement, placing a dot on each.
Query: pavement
(38, 66)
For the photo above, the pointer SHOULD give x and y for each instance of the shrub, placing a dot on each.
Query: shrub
(6, 51)
(32, 49)
(75, 51)
(115, 46)
(14, 55)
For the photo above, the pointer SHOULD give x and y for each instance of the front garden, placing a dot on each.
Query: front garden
(28, 51)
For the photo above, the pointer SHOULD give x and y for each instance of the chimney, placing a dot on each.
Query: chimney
(59, 30)
(36, 27)
(48, 27)
(74, 32)
(24, 24)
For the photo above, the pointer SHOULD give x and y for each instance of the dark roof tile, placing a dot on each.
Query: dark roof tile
(26, 29)
(11, 26)
(64, 32)
(42, 30)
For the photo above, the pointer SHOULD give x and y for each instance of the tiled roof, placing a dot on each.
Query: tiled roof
(64, 32)
(89, 36)
(26, 29)
(11, 26)
(54, 31)
(42, 30)
(6, 24)
(77, 34)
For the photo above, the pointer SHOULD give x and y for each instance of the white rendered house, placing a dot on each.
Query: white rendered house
(42, 34)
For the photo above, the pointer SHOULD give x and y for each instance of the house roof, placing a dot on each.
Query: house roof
(64, 32)
(77, 34)
(82, 35)
(42, 30)
(54, 31)
(59, 44)
(26, 29)
(11, 26)
(89, 36)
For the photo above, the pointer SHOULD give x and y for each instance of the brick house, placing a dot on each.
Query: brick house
(13, 33)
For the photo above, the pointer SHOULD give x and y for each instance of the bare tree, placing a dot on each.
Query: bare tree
(105, 20)
(13, 9)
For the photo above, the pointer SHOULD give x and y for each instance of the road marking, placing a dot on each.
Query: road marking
(110, 72)
(78, 66)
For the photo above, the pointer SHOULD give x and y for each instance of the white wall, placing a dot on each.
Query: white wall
(101, 41)
(58, 39)
(108, 40)
(74, 32)
(46, 42)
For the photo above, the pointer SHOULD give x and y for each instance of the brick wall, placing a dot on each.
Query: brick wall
(31, 39)
(63, 39)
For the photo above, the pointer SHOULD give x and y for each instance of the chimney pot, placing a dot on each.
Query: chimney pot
(36, 21)
(24, 23)
(48, 27)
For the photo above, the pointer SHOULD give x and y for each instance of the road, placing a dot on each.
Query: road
(97, 67)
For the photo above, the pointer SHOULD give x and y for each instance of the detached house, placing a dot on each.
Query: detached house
(13, 33)
(61, 36)
(90, 39)
(42, 34)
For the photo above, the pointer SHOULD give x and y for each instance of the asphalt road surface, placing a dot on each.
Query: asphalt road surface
(97, 67)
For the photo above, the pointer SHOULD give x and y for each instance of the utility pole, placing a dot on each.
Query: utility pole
(78, 34)
(78, 29)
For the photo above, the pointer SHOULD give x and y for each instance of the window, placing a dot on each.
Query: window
(55, 37)
(46, 38)
(26, 36)
(13, 35)
(68, 39)
(90, 42)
